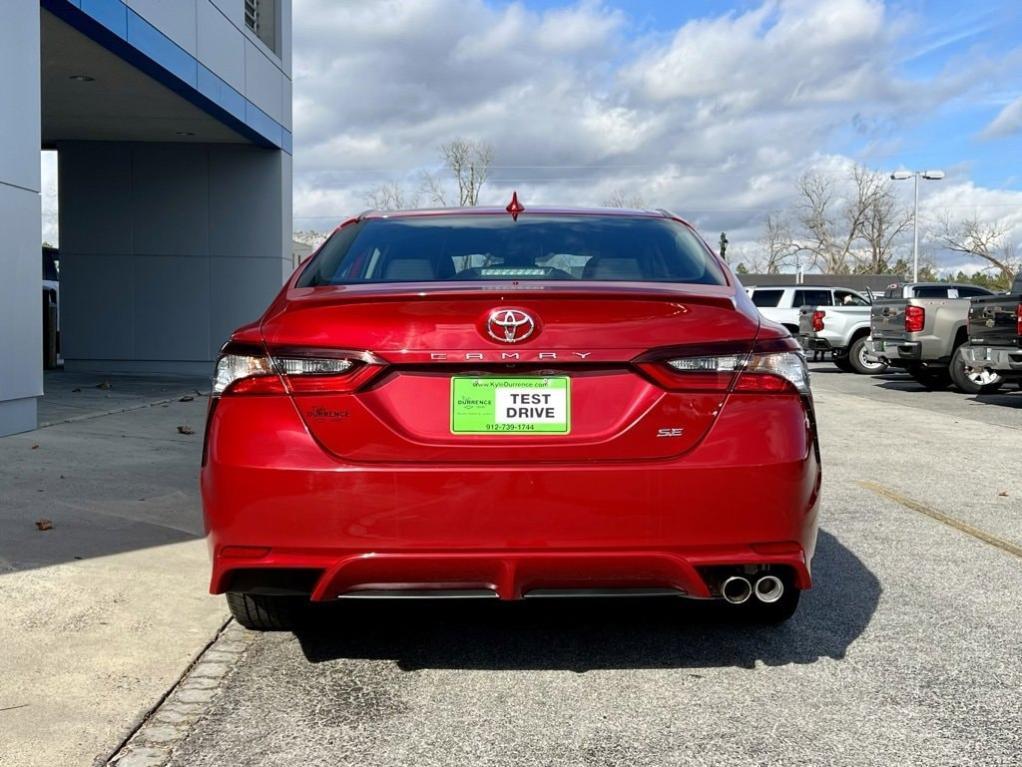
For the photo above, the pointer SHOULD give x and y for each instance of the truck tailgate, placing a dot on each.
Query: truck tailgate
(887, 318)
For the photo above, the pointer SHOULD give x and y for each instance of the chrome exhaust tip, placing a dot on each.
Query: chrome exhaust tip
(736, 590)
(769, 589)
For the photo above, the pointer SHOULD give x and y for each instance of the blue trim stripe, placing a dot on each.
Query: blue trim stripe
(123, 32)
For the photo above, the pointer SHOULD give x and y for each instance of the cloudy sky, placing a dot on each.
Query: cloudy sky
(709, 108)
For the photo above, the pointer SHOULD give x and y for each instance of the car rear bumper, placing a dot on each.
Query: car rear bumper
(999, 358)
(273, 500)
(814, 344)
(896, 352)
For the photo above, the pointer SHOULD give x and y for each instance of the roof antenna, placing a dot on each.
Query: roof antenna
(514, 207)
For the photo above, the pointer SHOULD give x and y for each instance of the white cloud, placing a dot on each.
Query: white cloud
(1007, 122)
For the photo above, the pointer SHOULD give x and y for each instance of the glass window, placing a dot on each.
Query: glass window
(496, 247)
(931, 291)
(767, 297)
(969, 291)
(848, 298)
(812, 298)
(261, 18)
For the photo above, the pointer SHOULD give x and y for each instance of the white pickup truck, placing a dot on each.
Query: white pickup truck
(843, 331)
(781, 303)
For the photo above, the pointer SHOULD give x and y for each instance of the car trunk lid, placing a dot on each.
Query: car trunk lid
(416, 341)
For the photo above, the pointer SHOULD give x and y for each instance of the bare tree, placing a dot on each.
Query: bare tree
(987, 240)
(836, 226)
(391, 196)
(470, 162)
(777, 242)
(432, 187)
(619, 198)
(884, 222)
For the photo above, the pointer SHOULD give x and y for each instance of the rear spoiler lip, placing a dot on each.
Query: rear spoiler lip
(713, 295)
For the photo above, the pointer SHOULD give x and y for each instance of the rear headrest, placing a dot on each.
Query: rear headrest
(418, 268)
(612, 268)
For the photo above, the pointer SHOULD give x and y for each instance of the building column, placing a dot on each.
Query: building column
(166, 248)
(21, 355)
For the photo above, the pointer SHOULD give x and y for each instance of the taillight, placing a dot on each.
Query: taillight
(762, 370)
(1018, 319)
(250, 371)
(915, 318)
(818, 320)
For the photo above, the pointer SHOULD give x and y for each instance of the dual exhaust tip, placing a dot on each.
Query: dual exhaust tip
(738, 589)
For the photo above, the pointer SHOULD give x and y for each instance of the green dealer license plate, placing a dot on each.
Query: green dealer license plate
(510, 405)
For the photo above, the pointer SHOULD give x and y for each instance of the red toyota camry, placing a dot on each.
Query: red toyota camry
(510, 403)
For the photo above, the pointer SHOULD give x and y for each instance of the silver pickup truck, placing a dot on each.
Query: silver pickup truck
(921, 327)
(842, 330)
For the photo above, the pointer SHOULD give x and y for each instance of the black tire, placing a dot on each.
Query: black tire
(265, 613)
(857, 359)
(928, 378)
(843, 364)
(972, 384)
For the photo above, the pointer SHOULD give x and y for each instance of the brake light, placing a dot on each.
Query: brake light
(249, 370)
(915, 318)
(765, 371)
(1018, 319)
(818, 320)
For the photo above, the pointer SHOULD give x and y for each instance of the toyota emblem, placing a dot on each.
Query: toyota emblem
(510, 326)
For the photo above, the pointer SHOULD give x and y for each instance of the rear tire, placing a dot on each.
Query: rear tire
(933, 380)
(843, 363)
(986, 382)
(858, 362)
(265, 613)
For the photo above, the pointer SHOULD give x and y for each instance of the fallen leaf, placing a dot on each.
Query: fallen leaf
(44, 524)
(185, 430)
(75, 390)
(186, 398)
(35, 447)
(104, 385)
(1003, 494)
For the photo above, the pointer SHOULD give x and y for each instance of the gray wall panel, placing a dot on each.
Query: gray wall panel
(221, 47)
(97, 305)
(175, 18)
(245, 180)
(170, 199)
(171, 308)
(19, 95)
(262, 81)
(241, 290)
(21, 378)
(167, 304)
(95, 208)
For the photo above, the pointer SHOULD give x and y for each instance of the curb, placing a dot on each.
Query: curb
(152, 742)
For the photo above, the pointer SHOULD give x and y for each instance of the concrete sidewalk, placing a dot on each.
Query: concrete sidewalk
(106, 609)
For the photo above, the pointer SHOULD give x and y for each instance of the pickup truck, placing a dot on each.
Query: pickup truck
(995, 335)
(921, 327)
(781, 303)
(843, 331)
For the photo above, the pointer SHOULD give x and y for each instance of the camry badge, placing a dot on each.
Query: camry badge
(510, 326)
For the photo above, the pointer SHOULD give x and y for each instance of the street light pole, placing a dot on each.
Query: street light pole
(915, 231)
(904, 175)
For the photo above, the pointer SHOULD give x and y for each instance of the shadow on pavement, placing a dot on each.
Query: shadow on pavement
(588, 634)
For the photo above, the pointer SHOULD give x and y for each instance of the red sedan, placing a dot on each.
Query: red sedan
(510, 403)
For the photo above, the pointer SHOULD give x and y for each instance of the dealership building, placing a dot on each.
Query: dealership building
(172, 125)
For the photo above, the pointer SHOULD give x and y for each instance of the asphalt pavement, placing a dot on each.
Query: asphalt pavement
(908, 650)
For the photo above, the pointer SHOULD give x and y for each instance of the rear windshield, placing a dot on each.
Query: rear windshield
(484, 247)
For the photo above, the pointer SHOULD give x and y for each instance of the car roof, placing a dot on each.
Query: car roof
(531, 210)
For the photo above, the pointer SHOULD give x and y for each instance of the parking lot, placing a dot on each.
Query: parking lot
(907, 651)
